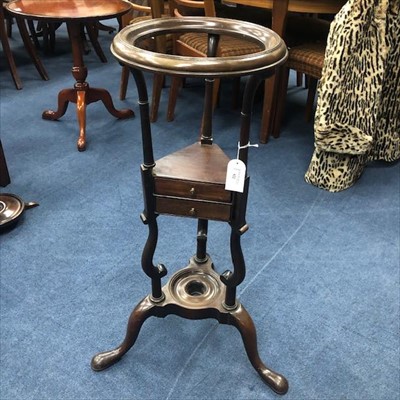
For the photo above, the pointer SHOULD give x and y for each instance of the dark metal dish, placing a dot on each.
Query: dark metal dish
(11, 209)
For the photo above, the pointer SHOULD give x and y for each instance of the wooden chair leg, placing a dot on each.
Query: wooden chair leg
(123, 86)
(49, 36)
(173, 95)
(281, 102)
(9, 24)
(215, 97)
(33, 33)
(236, 93)
(46, 41)
(312, 89)
(299, 79)
(268, 108)
(92, 31)
(277, 110)
(85, 45)
(8, 53)
(158, 83)
(30, 48)
(100, 26)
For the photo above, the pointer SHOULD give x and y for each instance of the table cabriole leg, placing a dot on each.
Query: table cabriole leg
(142, 311)
(65, 96)
(241, 319)
(81, 114)
(96, 94)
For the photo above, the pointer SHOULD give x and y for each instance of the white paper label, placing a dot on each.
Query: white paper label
(235, 175)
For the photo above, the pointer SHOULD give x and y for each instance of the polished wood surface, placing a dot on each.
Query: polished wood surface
(302, 6)
(64, 10)
(74, 13)
(198, 189)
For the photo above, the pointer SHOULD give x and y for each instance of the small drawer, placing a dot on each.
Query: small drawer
(193, 208)
(192, 190)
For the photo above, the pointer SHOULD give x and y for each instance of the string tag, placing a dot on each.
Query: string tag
(236, 172)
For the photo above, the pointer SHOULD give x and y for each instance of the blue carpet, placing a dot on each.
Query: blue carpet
(322, 280)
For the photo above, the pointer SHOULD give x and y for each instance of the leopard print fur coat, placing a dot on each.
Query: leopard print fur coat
(358, 111)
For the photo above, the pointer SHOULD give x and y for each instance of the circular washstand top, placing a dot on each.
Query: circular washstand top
(126, 48)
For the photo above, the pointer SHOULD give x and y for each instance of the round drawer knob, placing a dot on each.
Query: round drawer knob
(192, 191)
(192, 212)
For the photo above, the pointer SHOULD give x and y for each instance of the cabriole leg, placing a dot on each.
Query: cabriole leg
(243, 322)
(142, 311)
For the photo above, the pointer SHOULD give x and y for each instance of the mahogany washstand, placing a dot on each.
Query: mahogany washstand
(74, 13)
(191, 182)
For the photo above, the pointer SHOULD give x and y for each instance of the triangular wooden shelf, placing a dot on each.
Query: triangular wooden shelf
(197, 163)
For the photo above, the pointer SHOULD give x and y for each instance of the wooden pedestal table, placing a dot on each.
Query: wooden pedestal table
(75, 13)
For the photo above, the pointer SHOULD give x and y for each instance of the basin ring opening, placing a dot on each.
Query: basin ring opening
(273, 51)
